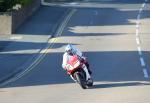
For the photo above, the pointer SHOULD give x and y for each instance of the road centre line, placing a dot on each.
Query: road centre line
(143, 64)
(141, 9)
(139, 16)
(139, 50)
(137, 32)
(137, 27)
(137, 40)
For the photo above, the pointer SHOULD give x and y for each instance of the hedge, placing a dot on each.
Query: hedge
(6, 5)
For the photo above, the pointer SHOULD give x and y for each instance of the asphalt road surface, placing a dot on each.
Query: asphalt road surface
(115, 38)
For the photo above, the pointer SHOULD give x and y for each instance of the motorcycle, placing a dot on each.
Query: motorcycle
(76, 68)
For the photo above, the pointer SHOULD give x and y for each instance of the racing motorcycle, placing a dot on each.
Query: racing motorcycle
(75, 68)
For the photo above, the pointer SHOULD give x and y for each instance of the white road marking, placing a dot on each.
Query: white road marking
(143, 5)
(16, 37)
(137, 27)
(145, 73)
(141, 9)
(65, 22)
(137, 32)
(138, 17)
(142, 62)
(139, 50)
(137, 41)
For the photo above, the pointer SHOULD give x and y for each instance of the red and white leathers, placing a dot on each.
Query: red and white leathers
(66, 58)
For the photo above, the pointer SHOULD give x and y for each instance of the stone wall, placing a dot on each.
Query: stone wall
(18, 17)
(10, 22)
(5, 23)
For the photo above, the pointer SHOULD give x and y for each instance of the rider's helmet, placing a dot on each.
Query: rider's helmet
(69, 49)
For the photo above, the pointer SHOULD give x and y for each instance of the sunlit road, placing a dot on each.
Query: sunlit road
(116, 42)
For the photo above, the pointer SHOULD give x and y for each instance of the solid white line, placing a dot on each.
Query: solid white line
(137, 40)
(145, 73)
(139, 51)
(142, 62)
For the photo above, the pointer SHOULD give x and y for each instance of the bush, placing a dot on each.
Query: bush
(6, 5)
(24, 2)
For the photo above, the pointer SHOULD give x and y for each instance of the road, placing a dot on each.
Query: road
(115, 38)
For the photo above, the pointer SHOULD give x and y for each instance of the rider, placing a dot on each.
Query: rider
(70, 50)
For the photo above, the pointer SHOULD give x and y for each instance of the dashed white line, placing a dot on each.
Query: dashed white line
(145, 73)
(139, 51)
(142, 62)
(138, 17)
(143, 5)
(141, 9)
(137, 41)
(137, 27)
(137, 32)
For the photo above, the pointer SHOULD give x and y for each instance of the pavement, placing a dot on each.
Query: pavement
(114, 35)
(22, 48)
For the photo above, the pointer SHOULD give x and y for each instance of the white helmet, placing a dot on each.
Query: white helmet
(69, 49)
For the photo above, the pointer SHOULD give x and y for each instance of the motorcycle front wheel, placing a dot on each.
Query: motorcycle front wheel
(80, 80)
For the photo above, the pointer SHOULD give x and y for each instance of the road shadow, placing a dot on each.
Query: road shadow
(113, 85)
(19, 46)
(112, 66)
(45, 21)
(106, 66)
(101, 22)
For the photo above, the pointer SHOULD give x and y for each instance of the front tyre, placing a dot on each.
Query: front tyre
(90, 83)
(80, 80)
